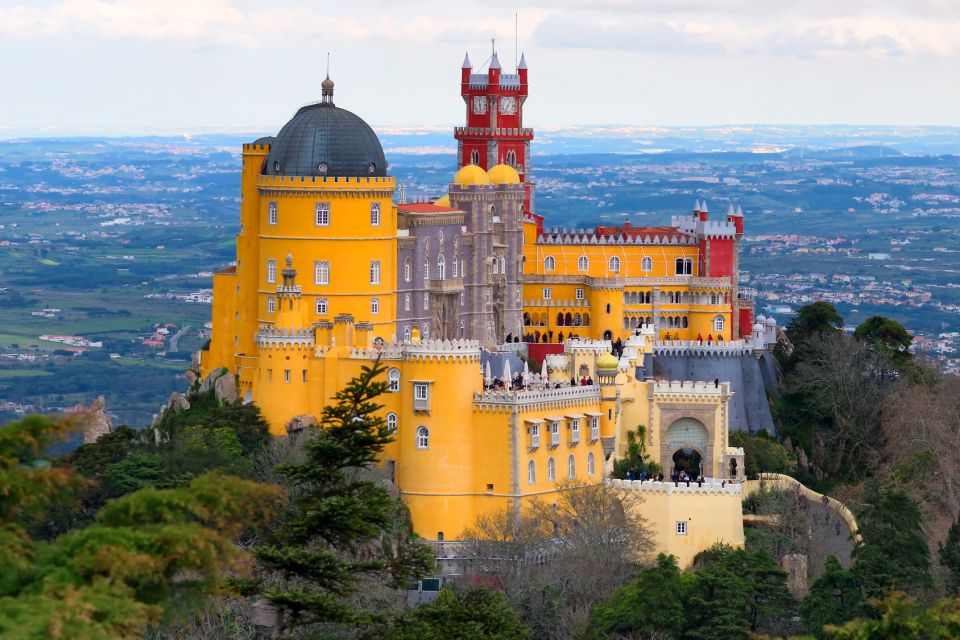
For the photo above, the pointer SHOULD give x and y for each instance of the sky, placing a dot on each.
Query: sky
(130, 67)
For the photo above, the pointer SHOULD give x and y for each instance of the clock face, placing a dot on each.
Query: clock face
(508, 105)
(479, 104)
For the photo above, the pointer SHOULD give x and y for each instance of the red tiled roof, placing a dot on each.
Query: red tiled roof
(424, 207)
(227, 270)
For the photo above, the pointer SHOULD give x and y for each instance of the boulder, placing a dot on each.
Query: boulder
(178, 402)
(796, 566)
(191, 376)
(96, 422)
(301, 422)
(225, 388)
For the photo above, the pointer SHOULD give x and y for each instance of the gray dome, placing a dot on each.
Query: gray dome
(322, 134)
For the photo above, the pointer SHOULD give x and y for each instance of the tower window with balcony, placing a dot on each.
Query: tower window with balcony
(594, 428)
(574, 430)
(646, 264)
(441, 267)
(375, 272)
(321, 306)
(534, 436)
(272, 213)
(321, 272)
(554, 434)
(322, 214)
(615, 264)
(375, 214)
(421, 396)
(549, 263)
(583, 263)
(271, 271)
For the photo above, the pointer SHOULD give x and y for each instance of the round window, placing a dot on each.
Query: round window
(276, 165)
(372, 167)
(323, 167)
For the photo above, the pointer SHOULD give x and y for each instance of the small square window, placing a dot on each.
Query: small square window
(681, 527)
(547, 293)
(578, 293)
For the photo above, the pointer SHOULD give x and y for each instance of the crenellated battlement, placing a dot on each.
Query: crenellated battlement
(728, 348)
(526, 398)
(442, 350)
(273, 338)
(665, 237)
(714, 486)
(688, 388)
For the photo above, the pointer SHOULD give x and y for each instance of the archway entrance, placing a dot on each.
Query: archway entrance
(689, 460)
(608, 335)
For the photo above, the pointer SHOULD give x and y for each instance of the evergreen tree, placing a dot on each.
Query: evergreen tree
(950, 557)
(650, 606)
(887, 336)
(834, 598)
(476, 614)
(900, 618)
(815, 319)
(338, 518)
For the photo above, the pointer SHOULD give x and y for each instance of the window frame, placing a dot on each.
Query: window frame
(614, 264)
(646, 264)
(321, 273)
(393, 380)
(571, 467)
(549, 263)
(321, 214)
(273, 213)
(374, 306)
(422, 437)
(375, 214)
(322, 307)
(375, 272)
(531, 472)
(551, 470)
(392, 422)
(271, 271)
(583, 263)
(271, 304)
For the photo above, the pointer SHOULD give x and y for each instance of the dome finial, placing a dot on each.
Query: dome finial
(326, 86)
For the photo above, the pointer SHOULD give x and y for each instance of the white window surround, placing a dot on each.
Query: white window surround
(321, 272)
(272, 212)
(423, 438)
(322, 214)
(549, 263)
(393, 378)
(321, 306)
(551, 470)
(578, 293)
(271, 271)
(374, 306)
(583, 263)
(392, 422)
(375, 214)
(547, 293)
(271, 304)
(681, 527)
(374, 272)
(531, 472)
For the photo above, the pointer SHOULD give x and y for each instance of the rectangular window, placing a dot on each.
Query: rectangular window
(303, 375)
(286, 376)
(271, 305)
(272, 213)
(406, 302)
(269, 375)
(321, 306)
(426, 301)
(374, 305)
(681, 528)
(375, 272)
(578, 293)
(321, 272)
(574, 431)
(322, 214)
(534, 436)
(375, 214)
(547, 293)
(421, 396)
(555, 434)
(594, 429)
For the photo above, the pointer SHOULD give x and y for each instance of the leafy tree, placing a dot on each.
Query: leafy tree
(889, 336)
(651, 606)
(763, 454)
(815, 319)
(950, 557)
(834, 598)
(901, 619)
(146, 553)
(338, 517)
(199, 448)
(208, 410)
(475, 614)
(636, 458)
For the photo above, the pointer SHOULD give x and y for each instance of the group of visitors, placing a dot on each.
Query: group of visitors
(643, 475)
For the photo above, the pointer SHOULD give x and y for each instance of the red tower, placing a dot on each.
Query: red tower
(494, 132)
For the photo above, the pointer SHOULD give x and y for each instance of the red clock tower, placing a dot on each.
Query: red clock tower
(494, 131)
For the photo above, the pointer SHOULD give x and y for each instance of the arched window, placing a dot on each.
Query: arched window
(614, 264)
(375, 214)
(455, 263)
(718, 323)
(321, 272)
(271, 270)
(679, 266)
(646, 264)
(426, 268)
(441, 267)
(271, 305)
(591, 465)
(407, 270)
(512, 158)
(321, 306)
(423, 438)
(531, 472)
(374, 305)
(503, 265)
(582, 263)
(393, 378)
(551, 470)
(392, 422)
(374, 272)
(474, 157)
(688, 266)
(571, 467)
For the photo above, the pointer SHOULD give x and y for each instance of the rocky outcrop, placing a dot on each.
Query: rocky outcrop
(301, 422)
(96, 422)
(224, 385)
(797, 566)
(783, 347)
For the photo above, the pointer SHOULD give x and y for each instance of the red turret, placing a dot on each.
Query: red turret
(494, 132)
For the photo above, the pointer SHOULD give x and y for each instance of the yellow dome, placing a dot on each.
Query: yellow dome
(471, 174)
(607, 361)
(442, 201)
(503, 174)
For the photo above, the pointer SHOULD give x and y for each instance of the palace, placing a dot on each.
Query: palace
(517, 356)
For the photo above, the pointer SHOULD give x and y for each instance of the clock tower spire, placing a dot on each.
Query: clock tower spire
(493, 132)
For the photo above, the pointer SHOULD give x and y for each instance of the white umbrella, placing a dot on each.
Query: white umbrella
(507, 378)
(487, 375)
(526, 373)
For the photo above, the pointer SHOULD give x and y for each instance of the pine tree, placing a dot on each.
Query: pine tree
(950, 557)
(834, 598)
(338, 518)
